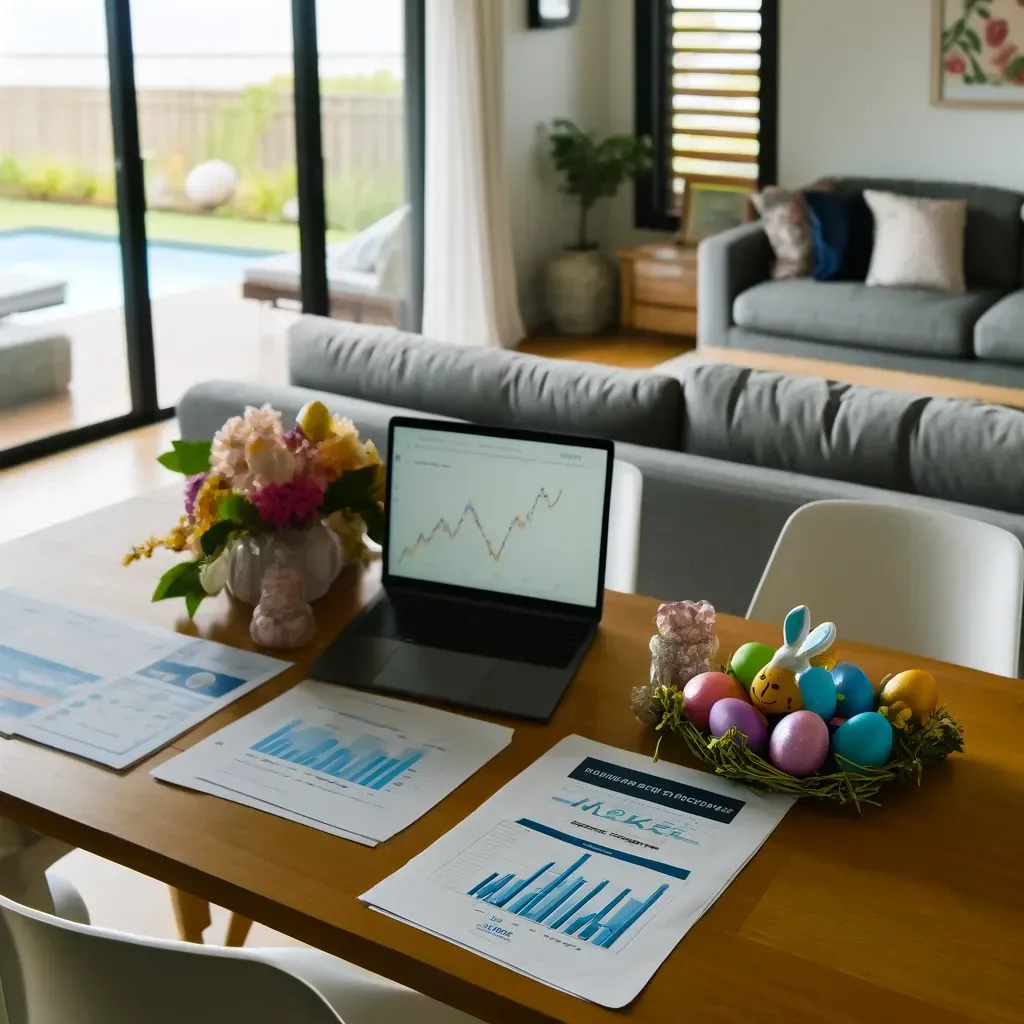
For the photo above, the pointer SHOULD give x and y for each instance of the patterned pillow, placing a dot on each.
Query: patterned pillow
(789, 230)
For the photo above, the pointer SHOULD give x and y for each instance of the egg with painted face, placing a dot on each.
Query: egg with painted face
(775, 691)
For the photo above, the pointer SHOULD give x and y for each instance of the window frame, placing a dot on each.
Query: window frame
(653, 110)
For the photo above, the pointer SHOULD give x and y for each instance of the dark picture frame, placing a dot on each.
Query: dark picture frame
(552, 13)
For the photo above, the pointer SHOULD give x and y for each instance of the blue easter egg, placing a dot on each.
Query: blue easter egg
(858, 695)
(818, 689)
(865, 739)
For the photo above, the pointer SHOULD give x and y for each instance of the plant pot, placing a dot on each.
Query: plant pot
(581, 291)
(314, 551)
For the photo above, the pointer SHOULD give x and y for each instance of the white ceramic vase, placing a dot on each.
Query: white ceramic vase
(581, 291)
(314, 552)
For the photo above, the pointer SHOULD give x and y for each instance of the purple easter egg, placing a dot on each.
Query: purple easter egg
(702, 692)
(799, 744)
(730, 712)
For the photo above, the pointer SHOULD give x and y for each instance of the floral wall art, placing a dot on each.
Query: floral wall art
(979, 53)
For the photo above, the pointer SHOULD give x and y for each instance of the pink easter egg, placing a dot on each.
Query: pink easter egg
(799, 744)
(702, 692)
(730, 712)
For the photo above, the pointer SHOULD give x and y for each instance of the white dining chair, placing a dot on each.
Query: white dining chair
(62, 970)
(927, 583)
(620, 570)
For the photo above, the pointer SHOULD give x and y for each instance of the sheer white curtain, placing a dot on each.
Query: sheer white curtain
(469, 279)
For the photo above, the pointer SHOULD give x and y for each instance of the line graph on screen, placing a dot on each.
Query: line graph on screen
(518, 523)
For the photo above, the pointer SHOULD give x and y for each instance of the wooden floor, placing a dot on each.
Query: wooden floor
(633, 350)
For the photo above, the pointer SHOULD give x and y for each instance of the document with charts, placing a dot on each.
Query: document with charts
(357, 765)
(109, 690)
(587, 869)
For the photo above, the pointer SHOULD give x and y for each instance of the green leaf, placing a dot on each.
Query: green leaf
(373, 516)
(979, 75)
(179, 581)
(242, 512)
(972, 37)
(350, 489)
(192, 603)
(217, 536)
(187, 457)
(1015, 70)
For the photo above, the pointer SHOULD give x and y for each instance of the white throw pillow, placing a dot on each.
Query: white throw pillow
(919, 243)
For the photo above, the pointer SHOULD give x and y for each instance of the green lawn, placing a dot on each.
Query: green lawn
(160, 225)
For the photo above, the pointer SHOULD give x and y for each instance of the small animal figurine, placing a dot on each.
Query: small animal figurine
(282, 619)
(774, 689)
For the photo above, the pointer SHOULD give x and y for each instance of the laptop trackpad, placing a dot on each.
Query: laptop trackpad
(433, 673)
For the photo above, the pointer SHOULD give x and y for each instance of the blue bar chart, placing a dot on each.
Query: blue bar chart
(573, 899)
(362, 759)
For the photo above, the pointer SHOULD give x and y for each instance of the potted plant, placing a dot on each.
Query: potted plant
(581, 281)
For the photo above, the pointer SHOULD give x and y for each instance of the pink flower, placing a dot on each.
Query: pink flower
(996, 32)
(1004, 56)
(955, 64)
(228, 451)
(288, 504)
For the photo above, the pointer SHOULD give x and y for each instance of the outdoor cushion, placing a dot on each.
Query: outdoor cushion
(22, 292)
(966, 452)
(999, 334)
(847, 313)
(489, 386)
(801, 424)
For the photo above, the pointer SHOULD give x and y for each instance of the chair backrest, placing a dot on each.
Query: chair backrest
(54, 971)
(927, 583)
(620, 568)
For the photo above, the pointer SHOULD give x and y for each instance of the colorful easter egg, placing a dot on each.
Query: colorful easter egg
(799, 744)
(749, 660)
(915, 689)
(818, 689)
(314, 420)
(702, 692)
(854, 689)
(730, 712)
(775, 692)
(865, 739)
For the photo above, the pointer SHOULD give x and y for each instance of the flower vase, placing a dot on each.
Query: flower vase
(313, 551)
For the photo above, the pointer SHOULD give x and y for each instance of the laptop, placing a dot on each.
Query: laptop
(493, 569)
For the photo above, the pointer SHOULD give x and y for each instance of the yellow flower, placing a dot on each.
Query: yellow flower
(204, 512)
(379, 490)
(898, 714)
(372, 455)
(341, 452)
(174, 541)
(350, 529)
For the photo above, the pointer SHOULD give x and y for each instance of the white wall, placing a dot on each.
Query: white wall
(856, 98)
(548, 73)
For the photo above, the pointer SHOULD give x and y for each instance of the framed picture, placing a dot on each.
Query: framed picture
(978, 53)
(552, 13)
(706, 210)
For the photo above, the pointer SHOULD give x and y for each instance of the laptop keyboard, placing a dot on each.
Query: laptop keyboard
(475, 629)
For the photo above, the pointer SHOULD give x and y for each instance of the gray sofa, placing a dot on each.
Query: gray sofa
(727, 454)
(977, 336)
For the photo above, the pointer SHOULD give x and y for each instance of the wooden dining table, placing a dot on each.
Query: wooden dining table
(908, 911)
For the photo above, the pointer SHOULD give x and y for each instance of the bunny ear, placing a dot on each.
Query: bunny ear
(795, 628)
(820, 640)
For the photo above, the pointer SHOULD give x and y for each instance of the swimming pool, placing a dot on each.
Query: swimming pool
(91, 266)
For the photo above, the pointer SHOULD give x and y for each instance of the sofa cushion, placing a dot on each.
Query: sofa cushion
(969, 452)
(999, 334)
(995, 235)
(801, 424)
(488, 386)
(846, 313)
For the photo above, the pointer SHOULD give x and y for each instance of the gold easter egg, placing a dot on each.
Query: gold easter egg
(775, 691)
(914, 689)
(315, 420)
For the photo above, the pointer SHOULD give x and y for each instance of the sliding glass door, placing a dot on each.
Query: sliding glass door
(63, 357)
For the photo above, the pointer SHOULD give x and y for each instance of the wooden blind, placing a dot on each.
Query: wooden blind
(714, 87)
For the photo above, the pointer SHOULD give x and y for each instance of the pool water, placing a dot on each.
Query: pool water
(91, 266)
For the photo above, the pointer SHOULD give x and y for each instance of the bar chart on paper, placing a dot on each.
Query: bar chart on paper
(362, 759)
(593, 893)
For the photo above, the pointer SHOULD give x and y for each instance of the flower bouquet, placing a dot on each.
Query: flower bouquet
(257, 478)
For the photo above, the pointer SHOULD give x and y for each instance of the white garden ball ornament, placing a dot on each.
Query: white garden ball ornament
(290, 210)
(211, 184)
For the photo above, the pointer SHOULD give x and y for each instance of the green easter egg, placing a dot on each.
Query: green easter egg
(749, 660)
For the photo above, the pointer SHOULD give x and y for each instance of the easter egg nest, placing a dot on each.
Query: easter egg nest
(913, 744)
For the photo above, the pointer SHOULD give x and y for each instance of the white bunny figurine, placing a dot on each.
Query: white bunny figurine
(775, 689)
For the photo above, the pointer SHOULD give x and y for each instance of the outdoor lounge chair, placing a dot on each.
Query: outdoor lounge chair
(365, 275)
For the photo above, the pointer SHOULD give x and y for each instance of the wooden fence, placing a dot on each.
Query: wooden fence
(363, 135)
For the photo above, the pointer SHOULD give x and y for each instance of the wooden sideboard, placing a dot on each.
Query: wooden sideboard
(659, 288)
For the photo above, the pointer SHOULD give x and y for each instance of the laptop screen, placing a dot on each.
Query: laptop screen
(515, 517)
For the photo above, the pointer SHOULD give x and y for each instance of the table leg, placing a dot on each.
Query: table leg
(238, 930)
(192, 915)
